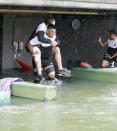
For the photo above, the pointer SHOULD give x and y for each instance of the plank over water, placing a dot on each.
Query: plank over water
(33, 91)
(102, 75)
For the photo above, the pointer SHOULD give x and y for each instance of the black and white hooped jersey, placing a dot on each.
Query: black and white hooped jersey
(112, 43)
(35, 41)
(41, 27)
(112, 46)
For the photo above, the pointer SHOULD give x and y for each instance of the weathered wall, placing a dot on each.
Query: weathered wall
(81, 44)
(17, 28)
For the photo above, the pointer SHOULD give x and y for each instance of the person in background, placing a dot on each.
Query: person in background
(40, 32)
(111, 55)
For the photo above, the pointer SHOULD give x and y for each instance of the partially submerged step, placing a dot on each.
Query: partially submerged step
(4, 98)
(33, 91)
(102, 75)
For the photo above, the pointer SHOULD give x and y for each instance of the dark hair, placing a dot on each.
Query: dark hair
(113, 32)
(51, 26)
(49, 19)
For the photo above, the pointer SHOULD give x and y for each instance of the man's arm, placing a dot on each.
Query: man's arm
(111, 57)
(30, 48)
(57, 40)
(42, 39)
(102, 43)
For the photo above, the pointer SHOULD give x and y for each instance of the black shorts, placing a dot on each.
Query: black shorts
(44, 63)
(107, 59)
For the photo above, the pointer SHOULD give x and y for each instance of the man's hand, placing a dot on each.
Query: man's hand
(100, 39)
(102, 43)
(109, 57)
(53, 43)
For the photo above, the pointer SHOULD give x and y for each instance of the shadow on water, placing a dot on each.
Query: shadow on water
(80, 106)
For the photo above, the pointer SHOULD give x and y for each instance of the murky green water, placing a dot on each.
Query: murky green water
(80, 106)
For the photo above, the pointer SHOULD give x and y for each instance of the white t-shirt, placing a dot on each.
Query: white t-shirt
(112, 43)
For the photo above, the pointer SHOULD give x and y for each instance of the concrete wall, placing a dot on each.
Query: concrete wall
(78, 45)
(82, 44)
(17, 28)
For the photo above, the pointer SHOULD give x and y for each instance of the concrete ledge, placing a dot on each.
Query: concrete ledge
(33, 91)
(89, 4)
(94, 74)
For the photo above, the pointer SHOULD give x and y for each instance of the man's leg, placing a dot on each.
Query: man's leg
(37, 65)
(105, 64)
(50, 72)
(51, 75)
(37, 59)
(57, 55)
(36, 78)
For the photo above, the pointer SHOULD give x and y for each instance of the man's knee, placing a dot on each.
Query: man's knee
(51, 75)
(37, 57)
(51, 72)
(56, 50)
(36, 50)
(104, 64)
(37, 54)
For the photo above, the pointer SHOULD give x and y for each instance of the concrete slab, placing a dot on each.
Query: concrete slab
(85, 4)
(33, 91)
(106, 75)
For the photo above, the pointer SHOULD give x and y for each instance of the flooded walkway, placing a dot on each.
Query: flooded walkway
(80, 106)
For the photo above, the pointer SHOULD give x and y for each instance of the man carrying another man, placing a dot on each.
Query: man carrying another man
(40, 32)
(42, 54)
